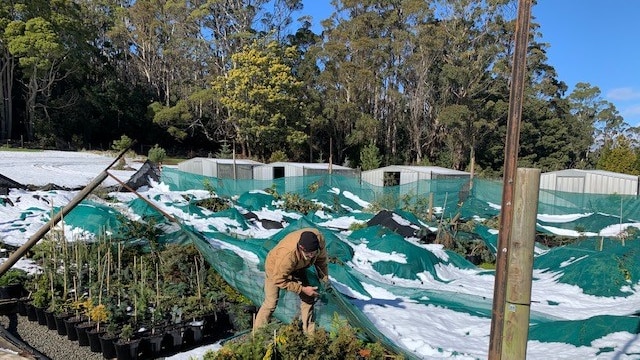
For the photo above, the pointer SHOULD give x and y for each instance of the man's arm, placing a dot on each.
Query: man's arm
(282, 274)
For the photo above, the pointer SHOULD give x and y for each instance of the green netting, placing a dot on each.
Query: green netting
(599, 266)
(584, 332)
(415, 260)
(93, 217)
(598, 272)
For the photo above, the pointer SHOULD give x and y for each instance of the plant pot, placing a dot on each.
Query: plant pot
(13, 291)
(94, 339)
(107, 345)
(9, 307)
(151, 345)
(172, 339)
(193, 333)
(31, 312)
(50, 319)
(81, 330)
(40, 316)
(60, 327)
(22, 306)
(127, 350)
(70, 326)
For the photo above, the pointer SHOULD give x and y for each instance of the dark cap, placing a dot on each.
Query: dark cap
(309, 241)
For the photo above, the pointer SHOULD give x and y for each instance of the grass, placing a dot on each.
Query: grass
(172, 161)
(9, 148)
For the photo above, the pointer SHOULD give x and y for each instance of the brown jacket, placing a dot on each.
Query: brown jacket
(285, 259)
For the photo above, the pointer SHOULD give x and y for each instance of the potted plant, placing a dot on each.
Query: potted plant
(71, 322)
(84, 326)
(126, 346)
(108, 339)
(12, 284)
(98, 314)
(41, 299)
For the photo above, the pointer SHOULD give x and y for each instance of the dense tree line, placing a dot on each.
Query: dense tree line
(408, 81)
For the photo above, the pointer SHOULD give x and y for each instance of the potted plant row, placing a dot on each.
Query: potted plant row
(161, 293)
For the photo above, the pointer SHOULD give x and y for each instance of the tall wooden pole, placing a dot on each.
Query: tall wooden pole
(510, 162)
(520, 264)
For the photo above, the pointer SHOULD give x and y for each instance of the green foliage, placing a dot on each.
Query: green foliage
(157, 154)
(289, 342)
(146, 229)
(213, 202)
(225, 151)
(357, 225)
(14, 277)
(370, 157)
(618, 156)
(295, 202)
(259, 93)
(126, 333)
(278, 156)
(121, 144)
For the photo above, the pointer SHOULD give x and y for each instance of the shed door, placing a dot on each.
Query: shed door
(391, 178)
(278, 172)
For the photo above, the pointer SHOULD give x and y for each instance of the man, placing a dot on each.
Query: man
(285, 269)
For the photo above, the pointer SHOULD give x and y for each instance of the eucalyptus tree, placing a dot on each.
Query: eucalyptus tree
(420, 74)
(162, 42)
(596, 116)
(43, 36)
(474, 34)
(8, 64)
(366, 45)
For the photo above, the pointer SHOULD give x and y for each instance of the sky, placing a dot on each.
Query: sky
(438, 332)
(591, 41)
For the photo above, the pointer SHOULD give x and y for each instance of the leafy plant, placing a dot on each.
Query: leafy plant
(99, 314)
(295, 202)
(370, 157)
(126, 333)
(123, 143)
(278, 156)
(289, 342)
(14, 277)
(157, 154)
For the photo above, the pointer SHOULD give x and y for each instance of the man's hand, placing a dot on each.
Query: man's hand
(327, 287)
(310, 290)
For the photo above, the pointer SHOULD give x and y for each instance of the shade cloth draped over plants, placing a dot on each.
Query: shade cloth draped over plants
(239, 258)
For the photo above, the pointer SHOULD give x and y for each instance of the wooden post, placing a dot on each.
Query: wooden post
(430, 206)
(516, 99)
(520, 265)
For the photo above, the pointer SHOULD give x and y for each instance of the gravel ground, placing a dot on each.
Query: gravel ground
(48, 342)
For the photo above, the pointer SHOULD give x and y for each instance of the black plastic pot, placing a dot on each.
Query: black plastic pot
(127, 350)
(70, 326)
(193, 333)
(81, 330)
(22, 306)
(50, 319)
(107, 345)
(151, 345)
(172, 339)
(13, 291)
(31, 312)
(41, 317)
(60, 327)
(94, 339)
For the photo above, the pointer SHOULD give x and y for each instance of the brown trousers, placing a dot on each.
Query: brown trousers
(271, 296)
